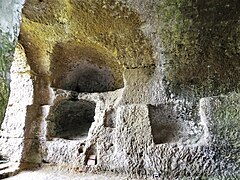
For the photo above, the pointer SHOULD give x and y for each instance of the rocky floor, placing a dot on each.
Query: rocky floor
(49, 173)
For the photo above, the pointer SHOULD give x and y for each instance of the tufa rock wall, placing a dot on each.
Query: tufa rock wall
(128, 86)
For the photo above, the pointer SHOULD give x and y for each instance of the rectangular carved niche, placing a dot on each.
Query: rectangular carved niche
(164, 125)
(71, 119)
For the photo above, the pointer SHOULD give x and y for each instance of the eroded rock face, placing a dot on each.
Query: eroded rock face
(6, 51)
(10, 12)
(21, 98)
(102, 81)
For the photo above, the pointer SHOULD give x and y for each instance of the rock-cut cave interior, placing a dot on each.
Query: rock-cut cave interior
(119, 89)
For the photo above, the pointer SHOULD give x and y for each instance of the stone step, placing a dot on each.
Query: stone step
(8, 169)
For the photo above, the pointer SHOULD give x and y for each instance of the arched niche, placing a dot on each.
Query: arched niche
(84, 69)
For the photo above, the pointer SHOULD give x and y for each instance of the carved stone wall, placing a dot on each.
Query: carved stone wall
(127, 86)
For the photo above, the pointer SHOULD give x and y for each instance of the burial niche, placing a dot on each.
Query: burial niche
(164, 125)
(88, 78)
(84, 69)
(72, 119)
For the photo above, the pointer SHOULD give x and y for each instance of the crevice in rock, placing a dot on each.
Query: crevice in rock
(3, 160)
(91, 156)
(109, 118)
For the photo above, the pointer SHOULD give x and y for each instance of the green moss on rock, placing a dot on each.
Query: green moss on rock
(226, 115)
(201, 40)
(223, 114)
(6, 54)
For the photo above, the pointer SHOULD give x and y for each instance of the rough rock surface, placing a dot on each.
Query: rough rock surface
(10, 16)
(133, 87)
(21, 98)
(52, 173)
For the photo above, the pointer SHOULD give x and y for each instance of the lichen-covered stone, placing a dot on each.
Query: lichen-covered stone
(201, 45)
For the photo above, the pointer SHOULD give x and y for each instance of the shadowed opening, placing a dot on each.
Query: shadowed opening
(84, 69)
(165, 128)
(73, 119)
(88, 78)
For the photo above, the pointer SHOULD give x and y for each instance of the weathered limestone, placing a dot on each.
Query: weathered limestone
(10, 16)
(21, 97)
(74, 152)
(105, 87)
(222, 120)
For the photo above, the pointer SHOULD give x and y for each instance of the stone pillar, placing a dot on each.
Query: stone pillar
(21, 97)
